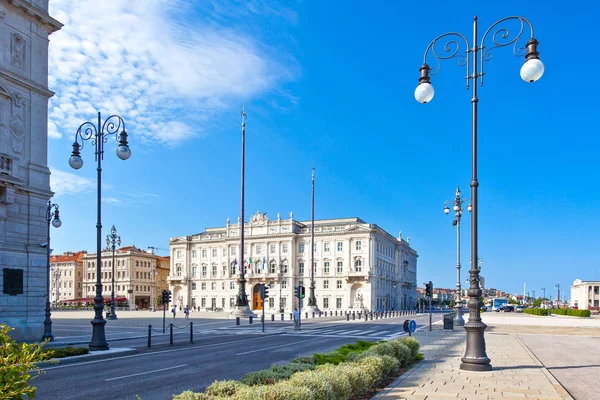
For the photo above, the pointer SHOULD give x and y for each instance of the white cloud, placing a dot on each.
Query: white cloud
(139, 61)
(65, 183)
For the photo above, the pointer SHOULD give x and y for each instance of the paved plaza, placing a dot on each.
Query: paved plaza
(553, 363)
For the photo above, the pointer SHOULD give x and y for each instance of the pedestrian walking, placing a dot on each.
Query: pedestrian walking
(174, 311)
(186, 311)
(296, 319)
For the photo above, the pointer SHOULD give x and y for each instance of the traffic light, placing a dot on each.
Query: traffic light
(264, 292)
(429, 289)
(164, 296)
(301, 292)
(168, 296)
(297, 291)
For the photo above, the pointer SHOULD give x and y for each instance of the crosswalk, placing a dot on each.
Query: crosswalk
(383, 333)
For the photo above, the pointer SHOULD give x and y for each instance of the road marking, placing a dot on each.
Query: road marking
(145, 373)
(274, 347)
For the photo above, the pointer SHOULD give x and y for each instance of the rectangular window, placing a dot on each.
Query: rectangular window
(284, 284)
(283, 302)
(326, 268)
(213, 286)
(203, 253)
(358, 245)
(258, 249)
(214, 253)
(339, 284)
(214, 270)
(301, 268)
(203, 286)
(338, 303)
(271, 302)
(203, 302)
(233, 251)
(272, 267)
(204, 271)
(178, 253)
(326, 247)
(284, 248)
(326, 302)
(340, 267)
(232, 302)
(223, 302)
(325, 284)
(194, 253)
(193, 285)
(232, 285)
(301, 248)
(224, 271)
(224, 252)
(272, 249)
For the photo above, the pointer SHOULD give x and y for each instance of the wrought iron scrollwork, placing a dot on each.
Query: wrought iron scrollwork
(450, 49)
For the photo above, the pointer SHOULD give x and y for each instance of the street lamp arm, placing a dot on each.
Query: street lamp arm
(502, 37)
(112, 125)
(86, 131)
(450, 49)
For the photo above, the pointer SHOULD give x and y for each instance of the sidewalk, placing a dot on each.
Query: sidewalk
(516, 373)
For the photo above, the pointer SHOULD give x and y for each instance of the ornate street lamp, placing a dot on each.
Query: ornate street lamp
(475, 358)
(112, 241)
(51, 216)
(457, 207)
(241, 300)
(98, 134)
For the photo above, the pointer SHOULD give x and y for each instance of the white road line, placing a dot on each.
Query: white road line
(145, 373)
(274, 347)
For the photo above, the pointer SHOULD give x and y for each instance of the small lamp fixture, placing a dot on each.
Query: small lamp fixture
(533, 68)
(75, 160)
(424, 91)
(123, 150)
(446, 209)
(470, 207)
(56, 222)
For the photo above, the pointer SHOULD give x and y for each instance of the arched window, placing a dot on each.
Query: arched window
(358, 265)
(272, 267)
(233, 268)
(178, 270)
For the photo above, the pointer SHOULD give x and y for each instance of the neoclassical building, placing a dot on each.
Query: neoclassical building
(585, 295)
(358, 265)
(25, 27)
(66, 274)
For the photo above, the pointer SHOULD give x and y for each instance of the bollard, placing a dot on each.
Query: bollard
(306, 315)
(272, 317)
(149, 336)
(250, 320)
(313, 314)
(282, 316)
(325, 313)
(191, 332)
(366, 316)
(237, 320)
(171, 334)
(291, 316)
(320, 314)
(347, 317)
(353, 317)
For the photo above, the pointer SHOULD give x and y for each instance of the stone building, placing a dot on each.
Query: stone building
(66, 276)
(585, 295)
(358, 265)
(25, 26)
(163, 266)
(137, 275)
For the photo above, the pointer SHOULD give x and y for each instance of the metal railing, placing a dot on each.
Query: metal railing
(171, 327)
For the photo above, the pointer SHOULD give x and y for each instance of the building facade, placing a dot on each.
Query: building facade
(66, 277)
(138, 274)
(585, 295)
(357, 265)
(25, 26)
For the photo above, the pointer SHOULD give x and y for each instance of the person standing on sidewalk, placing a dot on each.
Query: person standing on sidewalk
(174, 311)
(186, 311)
(296, 315)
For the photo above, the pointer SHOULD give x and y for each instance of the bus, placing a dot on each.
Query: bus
(498, 302)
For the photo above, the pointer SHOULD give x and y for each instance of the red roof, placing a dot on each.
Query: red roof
(69, 257)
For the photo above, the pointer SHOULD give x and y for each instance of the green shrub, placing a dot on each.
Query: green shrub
(304, 360)
(360, 383)
(66, 352)
(391, 366)
(329, 358)
(317, 383)
(273, 374)
(372, 366)
(189, 395)
(571, 312)
(412, 344)
(258, 392)
(17, 361)
(285, 391)
(383, 349)
(402, 352)
(341, 384)
(340, 355)
(536, 311)
(223, 388)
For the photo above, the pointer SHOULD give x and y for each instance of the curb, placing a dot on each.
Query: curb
(564, 393)
(100, 355)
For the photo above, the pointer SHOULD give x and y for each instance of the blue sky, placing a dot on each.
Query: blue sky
(333, 84)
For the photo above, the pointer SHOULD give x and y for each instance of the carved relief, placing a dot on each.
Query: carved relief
(259, 218)
(17, 128)
(17, 50)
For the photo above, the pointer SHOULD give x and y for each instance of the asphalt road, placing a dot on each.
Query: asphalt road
(218, 352)
(573, 360)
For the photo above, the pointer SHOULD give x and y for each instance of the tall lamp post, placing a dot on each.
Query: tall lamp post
(51, 217)
(457, 207)
(98, 134)
(474, 57)
(241, 300)
(312, 300)
(112, 241)
(557, 286)
(544, 299)
(280, 282)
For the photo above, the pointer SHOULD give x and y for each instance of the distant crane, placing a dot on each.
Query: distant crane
(155, 248)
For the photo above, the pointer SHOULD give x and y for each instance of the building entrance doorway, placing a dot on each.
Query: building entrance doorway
(256, 301)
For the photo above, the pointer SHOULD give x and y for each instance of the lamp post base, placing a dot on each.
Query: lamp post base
(459, 320)
(475, 358)
(48, 331)
(242, 311)
(98, 342)
(112, 316)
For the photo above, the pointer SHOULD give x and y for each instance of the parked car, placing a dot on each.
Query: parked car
(519, 309)
(505, 308)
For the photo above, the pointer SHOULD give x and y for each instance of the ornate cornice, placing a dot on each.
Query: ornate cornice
(35, 13)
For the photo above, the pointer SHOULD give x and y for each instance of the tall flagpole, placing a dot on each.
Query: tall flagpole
(241, 300)
(312, 300)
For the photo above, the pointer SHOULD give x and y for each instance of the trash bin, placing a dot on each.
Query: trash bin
(448, 322)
